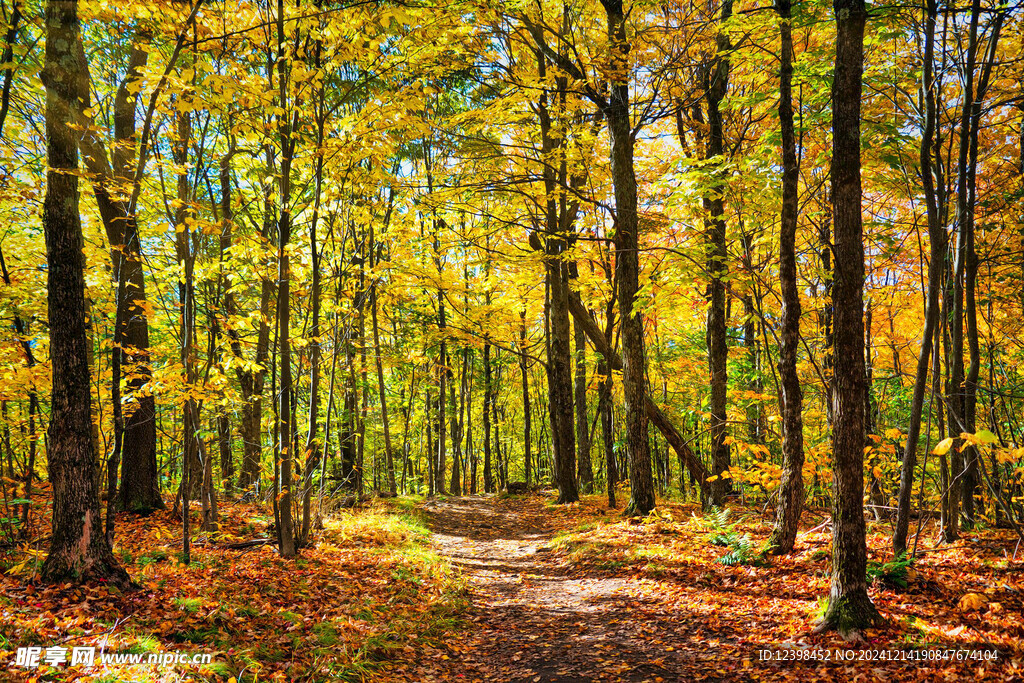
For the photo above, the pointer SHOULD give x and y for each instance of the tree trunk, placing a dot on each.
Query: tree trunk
(526, 397)
(936, 265)
(312, 446)
(627, 265)
(849, 607)
(791, 488)
(559, 346)
(79, 550)
(714, 206)
(382, 394)
(584, 468)
(284, 228)
(604, 407)
(139, 491)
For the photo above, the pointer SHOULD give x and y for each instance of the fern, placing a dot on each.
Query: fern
(892, 573)
(742, 551)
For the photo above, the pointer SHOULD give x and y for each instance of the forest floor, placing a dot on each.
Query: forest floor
(509, 588)
(578, 593)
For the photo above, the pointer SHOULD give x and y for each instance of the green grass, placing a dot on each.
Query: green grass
(190, 605)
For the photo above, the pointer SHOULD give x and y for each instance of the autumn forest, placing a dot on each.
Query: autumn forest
(509, 340)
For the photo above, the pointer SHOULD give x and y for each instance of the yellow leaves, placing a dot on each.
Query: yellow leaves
(942, 448)
(983, 437)
(893, 434)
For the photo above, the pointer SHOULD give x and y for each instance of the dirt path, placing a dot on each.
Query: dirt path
(534, 619)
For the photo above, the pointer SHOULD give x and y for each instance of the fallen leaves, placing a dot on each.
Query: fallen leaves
(643, 600)
(973, 602)
(368, 587)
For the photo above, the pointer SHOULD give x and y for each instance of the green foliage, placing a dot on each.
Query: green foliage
(892, 573)
(190, 605)
(717, 521)
(741, 548)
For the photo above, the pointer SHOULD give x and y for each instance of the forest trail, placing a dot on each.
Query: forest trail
(534, 617)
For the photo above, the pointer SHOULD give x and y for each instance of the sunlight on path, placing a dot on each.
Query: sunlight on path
(535, 619)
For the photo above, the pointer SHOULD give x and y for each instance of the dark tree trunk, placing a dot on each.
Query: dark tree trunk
(185, 253)
(791, 489)
(714, 206)
(527, 469)
(284, 228)
(382, 393)
(627, 265)
(458, 426)
(604, 407)
(311, 456)
(585, 470)
(849, 607)
(79, 550)
(966, 219)
(488, 476)
(559, 346)
(252, 379)
(139, 491)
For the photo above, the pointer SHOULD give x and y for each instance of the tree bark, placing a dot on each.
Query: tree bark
(627, 265)
(714, 206)
(488, 476)
(284, 227)
(79, 550)
(527, 469)
(312, 446)
(139, 491)
(849, 608)
(585, 471)
(791, 488)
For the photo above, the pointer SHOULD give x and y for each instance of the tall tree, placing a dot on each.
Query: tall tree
(79, 549)
(286, 123)
(791, 488)
(585, 472)
(715, 88)
(627, 263)
(849, 608)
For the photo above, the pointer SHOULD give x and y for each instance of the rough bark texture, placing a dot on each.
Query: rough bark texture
(284, 228)
(604, 407)
(791, 489)
(312, 447)
(849, 608)
(79, 549)
(627, 265)
(488, 475)
(717, 82)
(559, 347)
(524, 378)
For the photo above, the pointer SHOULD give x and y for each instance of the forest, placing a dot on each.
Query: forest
(511, 340)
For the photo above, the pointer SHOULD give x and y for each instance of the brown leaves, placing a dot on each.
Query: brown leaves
(341, 607)
(644, 601)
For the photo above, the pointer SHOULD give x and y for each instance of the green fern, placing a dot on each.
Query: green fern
(892, 573)
(742, 551)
